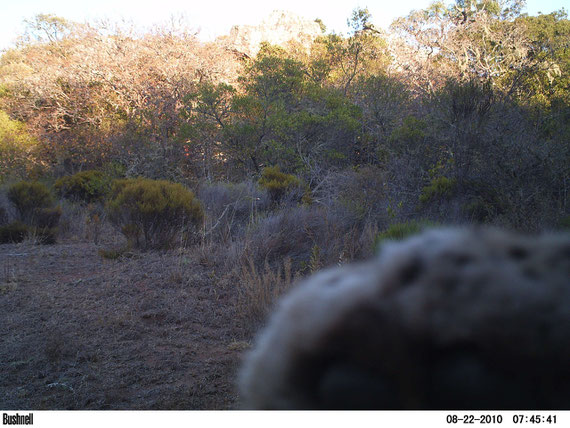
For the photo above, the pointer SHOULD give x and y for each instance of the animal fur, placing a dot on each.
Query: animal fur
(450, 319)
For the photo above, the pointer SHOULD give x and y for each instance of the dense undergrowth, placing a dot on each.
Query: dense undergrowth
(298, 159)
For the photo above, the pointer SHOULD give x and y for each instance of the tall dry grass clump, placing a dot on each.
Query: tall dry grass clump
(260, 288)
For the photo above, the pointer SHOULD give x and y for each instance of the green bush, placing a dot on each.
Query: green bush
(399, 231)
(412, 130)
(276, 182)
(29, 198)
(34, 204)
(152, 213)
(86, 186)
(485, 204)
(440, 187)
(13, 233)
(16, 145)
(477, 210)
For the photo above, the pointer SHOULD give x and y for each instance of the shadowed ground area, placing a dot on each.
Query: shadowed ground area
(146, 332)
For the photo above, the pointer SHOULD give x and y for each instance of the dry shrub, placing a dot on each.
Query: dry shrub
(358, 243)
(294, 233)
(7, 211)
(72, 224)
(230, 207)
(356, 196)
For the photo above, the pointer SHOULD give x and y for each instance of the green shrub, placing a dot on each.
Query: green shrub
(16, 146)
(13, 233)
(564, 223)
(29, 198)
(477, 210)
(399, 231)
(276, 182)
(409, 138)
(440, 187)
(86, 186)
(34, 204)
(411, 130)
(151, 213)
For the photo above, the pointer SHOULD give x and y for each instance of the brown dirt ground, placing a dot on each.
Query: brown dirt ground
(150, 331)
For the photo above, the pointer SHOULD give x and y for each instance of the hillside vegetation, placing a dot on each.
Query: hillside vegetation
(257, 169)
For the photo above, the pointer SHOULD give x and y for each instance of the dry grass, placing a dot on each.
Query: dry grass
(259, 289)
(9, 275)
(155, 330)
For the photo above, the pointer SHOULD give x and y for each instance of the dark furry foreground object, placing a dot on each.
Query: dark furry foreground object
(450, 319)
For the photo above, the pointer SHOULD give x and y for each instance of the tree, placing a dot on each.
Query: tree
(95, 93)
(548, 79)
(47, 28)
(206, 114)
(466, 40)
(362, 53)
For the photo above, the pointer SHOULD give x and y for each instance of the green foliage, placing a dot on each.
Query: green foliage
(360, 19)
(486, 202)
(152, 213)
(276, 182)
(307, 198)
(114, 170)
(549, 79)
(481, 210)
(321, 24)
(440, 187)
(363, 53)
(478, 210)
(285, 116)
(400, 231)
(13, 233)
(564, 223)
(86, 186)
(15, 147)
(408, 136)
(34, 204)
(484, 99)
(29, 198)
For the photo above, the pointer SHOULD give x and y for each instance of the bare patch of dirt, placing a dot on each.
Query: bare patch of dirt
(153, 331)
